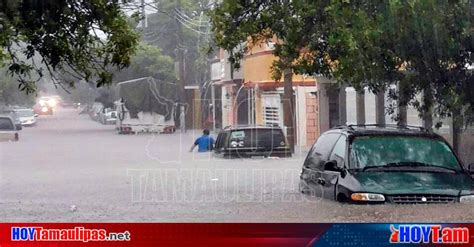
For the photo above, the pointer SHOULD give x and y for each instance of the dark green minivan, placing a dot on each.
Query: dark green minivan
(386, 164)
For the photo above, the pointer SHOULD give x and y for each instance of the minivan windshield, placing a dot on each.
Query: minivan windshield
(388, 152)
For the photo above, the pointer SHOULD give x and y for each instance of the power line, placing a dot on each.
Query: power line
(184, 16)
(191, 28)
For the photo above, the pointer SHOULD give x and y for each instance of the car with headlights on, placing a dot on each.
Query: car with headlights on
(45, 105)
(251, 141)
(8, 130)
(385, 164)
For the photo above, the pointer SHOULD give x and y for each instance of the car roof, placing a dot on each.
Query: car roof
(388, 129)
(244, 127)
(6, 116)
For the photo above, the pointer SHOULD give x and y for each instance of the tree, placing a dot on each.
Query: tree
(79, 38)
(9, 93)
(148, 61)
(180, 29)
(238, 25)
(425, 46)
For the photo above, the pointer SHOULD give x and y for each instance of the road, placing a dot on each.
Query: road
(69, 168)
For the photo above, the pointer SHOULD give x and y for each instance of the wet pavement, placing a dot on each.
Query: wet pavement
(69, 168)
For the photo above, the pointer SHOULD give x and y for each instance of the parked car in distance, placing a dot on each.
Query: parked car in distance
(249, 141)
(107, 116)
(385, 164)
(95, 111)
(8, 131)
(27, 116)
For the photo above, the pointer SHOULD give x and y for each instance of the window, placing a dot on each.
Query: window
(267, 138)
(321, 150)
(325, 144)
(385, 150)
(25, 113)
(6, 124)
(339, 151)
(221, 139)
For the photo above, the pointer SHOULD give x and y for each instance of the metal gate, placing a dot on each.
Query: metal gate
(272, 110)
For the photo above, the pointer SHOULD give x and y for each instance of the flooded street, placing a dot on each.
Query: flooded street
(69, 168)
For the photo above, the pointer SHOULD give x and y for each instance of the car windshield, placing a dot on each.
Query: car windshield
(6, 124)
(25, 113)
(398, 151)
(258, 137)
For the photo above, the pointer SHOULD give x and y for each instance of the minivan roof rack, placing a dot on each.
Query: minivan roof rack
(395, 126)
(250, 125)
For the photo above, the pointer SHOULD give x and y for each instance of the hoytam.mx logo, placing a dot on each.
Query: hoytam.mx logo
(435, 234)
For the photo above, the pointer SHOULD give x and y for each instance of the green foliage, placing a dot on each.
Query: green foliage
(9, 93)
(294, 23)
(148, 61)
(167, 30)
(424, 45)
(64, 35)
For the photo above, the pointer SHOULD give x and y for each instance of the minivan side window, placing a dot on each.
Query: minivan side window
(321, 150)
(339, 151)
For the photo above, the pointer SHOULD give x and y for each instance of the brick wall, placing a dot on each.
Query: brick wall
(312, 112)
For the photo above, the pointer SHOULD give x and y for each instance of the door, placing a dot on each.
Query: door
(329, 179)
(313, 179)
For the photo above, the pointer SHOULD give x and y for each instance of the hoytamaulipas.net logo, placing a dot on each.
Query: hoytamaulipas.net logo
(72, 234)
(433, 234)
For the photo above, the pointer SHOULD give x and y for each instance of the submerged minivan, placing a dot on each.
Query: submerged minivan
(250, 141)
(385, 164)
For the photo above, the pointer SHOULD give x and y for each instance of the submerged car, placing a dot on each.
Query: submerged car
(8, 131)
(385, 164)
(107, 116)
(95, 111)
(27, 116)
(249, 141)
(6, 111)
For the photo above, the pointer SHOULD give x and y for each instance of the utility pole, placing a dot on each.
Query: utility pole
(142, 6)
(288, 110)
(180, 58)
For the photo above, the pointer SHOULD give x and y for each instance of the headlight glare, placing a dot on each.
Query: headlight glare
(52, 102)
(367, 197)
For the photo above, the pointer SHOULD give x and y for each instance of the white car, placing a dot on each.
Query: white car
(27, 116)
(107, 116)
(8, 131)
